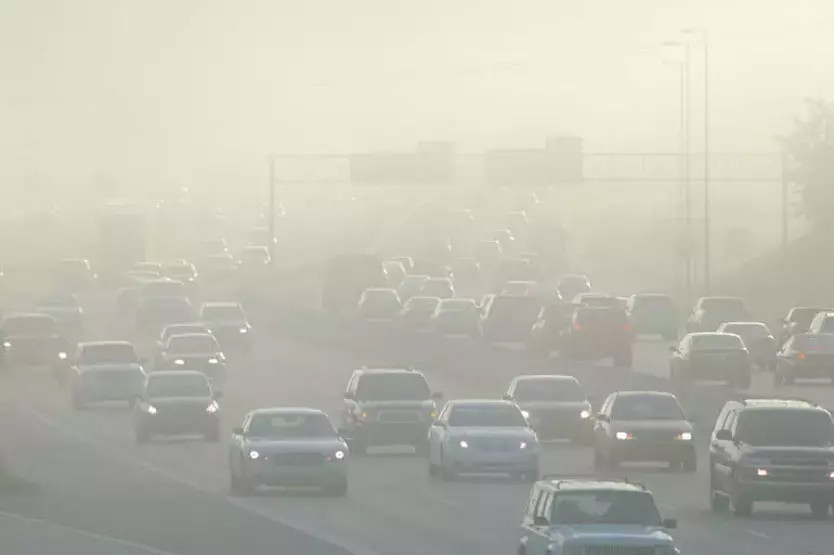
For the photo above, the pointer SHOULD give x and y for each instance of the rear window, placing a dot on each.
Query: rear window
(717, 341)
(785, 428)
(827, 325)
(487, 416)
(393, 387)
(807, 342)
(723, 304)
(803, 316)
(591, 316)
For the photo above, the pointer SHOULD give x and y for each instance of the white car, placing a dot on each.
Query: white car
(482, 436)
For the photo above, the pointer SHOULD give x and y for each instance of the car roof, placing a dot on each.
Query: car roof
(576, 484)
(546, 377)
(480, 402)
(178, 373)
(775, 403)
(221, 304)
(286, 410)
(378, 371)
(646, 393)
(93, 344)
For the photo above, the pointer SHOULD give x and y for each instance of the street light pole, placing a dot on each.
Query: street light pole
(271, 223)
(707, 224)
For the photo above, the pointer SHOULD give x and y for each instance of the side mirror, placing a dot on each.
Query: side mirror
(436, 396)
(602, 417)
(507, 397)
(724, 435)
(238, 431)
(539, 520)
(669, 523)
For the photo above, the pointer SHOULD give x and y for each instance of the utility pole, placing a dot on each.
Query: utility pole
(707, 223)
(271, 216)
(687, 185)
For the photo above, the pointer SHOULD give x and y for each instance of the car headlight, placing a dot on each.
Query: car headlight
(212, 408)
(525, 414)
(62, 355)
(464, 444)
(254, 455)
(522, 445)
(7, 344)
(179, 362)
(338, 455)
(623, 435)
(685, 436)
(213, 360)
(151, 409)
(584, 415)
(244, 330)
(762, 472)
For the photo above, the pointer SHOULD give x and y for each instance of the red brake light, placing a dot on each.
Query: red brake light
(626, 327)
(800, 356)
(577, 326)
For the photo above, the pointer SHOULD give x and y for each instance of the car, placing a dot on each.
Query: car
(442, 288)
(417, 313)
(411, 286)
(135, 278)
(643, 426)
(217, 267)
(571, 285)
(710, 312)
(653, 314)
(180, 270)
(379, 305)
(394, 272)
(772, 449)
(757, 338)
(164, 287)
(191, 351)
(823, 322)
(524, 288)
(227, 321)
(597, 300)
(387, 406)
(509, 318)
(805, 355)
(254, 257)
(594, 517)
(179, 329)
(482, 435)
(346, 277)
(156, 312)
(597, 333)
(179, 402)
(556, 406)
(288, 447)
(488, 253)
(67, 311)
(105, 371)
(514, 269)
(546, 331)
(34, 339)
(406, 261)
(213, 247)
(710, 356)
(457, 318)
(75, 274)
(797, 321)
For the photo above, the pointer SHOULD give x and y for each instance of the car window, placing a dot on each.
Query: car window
(392, 387)
(647, 407)
(223, 313)
(785, 428)
(716, 341)
(487, 416)
(290, 426)
(531, 390)
(180, 385)
(827, 325)
(604, 507)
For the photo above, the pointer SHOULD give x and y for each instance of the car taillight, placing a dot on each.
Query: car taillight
(626, 327)
(800, 356)
(577, 326)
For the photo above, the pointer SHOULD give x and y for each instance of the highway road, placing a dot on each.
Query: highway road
(100, 492)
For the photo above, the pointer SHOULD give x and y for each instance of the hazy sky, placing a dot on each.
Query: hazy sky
(181, 90)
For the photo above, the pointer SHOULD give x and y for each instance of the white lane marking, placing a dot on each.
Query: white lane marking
(312, 531)
(758, 534)
(85, 533)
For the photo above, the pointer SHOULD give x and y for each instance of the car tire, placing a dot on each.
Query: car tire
(718, 503)
(742, 505)
(820, 509)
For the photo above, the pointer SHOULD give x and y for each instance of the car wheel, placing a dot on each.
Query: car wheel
(718, 503)
(820, 509)
(742, 505)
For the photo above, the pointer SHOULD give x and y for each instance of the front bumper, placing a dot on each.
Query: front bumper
(651, 451)
(265, 472)
(560, 425)
(474, 460)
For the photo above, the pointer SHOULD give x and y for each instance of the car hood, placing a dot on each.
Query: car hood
(659, 425)
(325, 445)
(578, 406)
(227, 324)
(110, 367)
(415, 405)
(180, 401)
(619, 534)
(477, 432)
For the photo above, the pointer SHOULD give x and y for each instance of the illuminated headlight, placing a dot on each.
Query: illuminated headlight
(212, 408)
(179, 362)
(151, 409)
(244, 330)
(213, 360)
(339, 455)
(831, 475)
(62, 355)
(685, 436)
(464, 444)
(522, 445)
(761, 472)
(433, 414)
(623, 435)
(584, 415)
(254, 455)
(7, 344)
(525, 414)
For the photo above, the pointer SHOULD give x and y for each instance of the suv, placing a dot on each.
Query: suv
(598, 333)
(710, 312)
(823, 322)
(653, 313)
(387, 407)
(566, 516)
(772, 449)
(797, 321)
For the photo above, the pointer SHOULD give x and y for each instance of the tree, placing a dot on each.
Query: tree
(809, 160)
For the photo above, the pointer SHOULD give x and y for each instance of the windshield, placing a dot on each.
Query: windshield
(647, 407)
(604, 507)
(723, 305)
(803, 316)
(548, 390)
(180, 385)
(653, 303)
(223, 314)
(203, 343)
(785, 428)
(290, 426)
(393, 387)
(163, 289)
(747, 332)
(30, 325)
(182, 330)
(808, 342)
(108, 354)
(515, 308)
(487, 416)
(716, 341)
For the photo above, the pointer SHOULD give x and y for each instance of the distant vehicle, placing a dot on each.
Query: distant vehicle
(546, 331)
(596, 333)
(457, 318)
(179, 329)
(75, 274)
(488, 253)
(136, 278)
(387, 407)
(145, 266)
(797, 321)
(438, 287)
(156, 312)
(416, 315)
(162, 288)
(759, 342)
(227, 321)
(214, 247)
(261, 237)
(105, 371)
(593, 517)
(555, 406)
(192, 351)
(33, 340)
(217, 267)
(253, 257)
(346, 277)
(177, 403)
(710, 356)
(710, 312)
(823, 322)
(379, 306)
(66, 310)
(180, 270)
(596, 300)
(411, 286)
(395, 272)
(523, 288)
(514, 269)
(406, 261)
(475, 436)
(571, 285)
(505, 238)
(643, 426)
(432, 268)
(653, 313)
(805, 355)
(771, 450)
(287, 447)
(508, 318)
